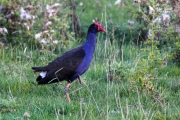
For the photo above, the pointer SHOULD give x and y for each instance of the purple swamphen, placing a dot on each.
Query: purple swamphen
(72, 63)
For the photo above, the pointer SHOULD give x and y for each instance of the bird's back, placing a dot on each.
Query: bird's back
(62, 68)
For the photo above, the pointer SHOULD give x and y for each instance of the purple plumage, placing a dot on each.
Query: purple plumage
(71, 64)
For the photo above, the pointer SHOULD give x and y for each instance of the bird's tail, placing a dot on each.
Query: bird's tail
(39, 69)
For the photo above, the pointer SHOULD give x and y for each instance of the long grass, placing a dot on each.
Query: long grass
(97, 98)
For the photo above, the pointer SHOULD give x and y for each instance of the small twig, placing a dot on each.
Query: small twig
(84, 87)
(56, 76)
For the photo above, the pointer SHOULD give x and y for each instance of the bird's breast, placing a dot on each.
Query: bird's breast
(87, 60)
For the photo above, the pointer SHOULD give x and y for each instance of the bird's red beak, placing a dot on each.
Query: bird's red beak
(100, 28)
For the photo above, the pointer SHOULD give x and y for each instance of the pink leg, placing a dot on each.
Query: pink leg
(67, 94)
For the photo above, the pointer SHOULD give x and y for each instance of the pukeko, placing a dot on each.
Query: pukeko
(72, 64)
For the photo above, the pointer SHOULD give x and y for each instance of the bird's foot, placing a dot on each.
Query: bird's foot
(68, 98)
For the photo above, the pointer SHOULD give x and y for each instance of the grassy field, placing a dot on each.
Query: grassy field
(98, 98)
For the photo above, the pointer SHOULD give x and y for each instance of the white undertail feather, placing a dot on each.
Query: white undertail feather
(43, 74)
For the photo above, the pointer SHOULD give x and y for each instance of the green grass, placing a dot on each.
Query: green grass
(97, 99)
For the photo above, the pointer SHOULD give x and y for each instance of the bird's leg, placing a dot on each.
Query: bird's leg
(67, 94)
(79, 78)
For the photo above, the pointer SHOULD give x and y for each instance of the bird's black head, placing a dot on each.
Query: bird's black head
(96, 27)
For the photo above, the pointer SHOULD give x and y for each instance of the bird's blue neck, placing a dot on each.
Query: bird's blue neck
(89, 45)
(90, 40)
